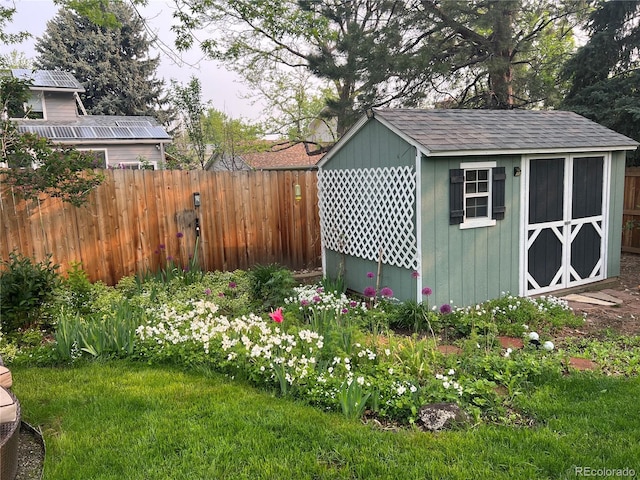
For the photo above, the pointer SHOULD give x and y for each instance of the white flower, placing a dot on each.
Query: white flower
(387, 352)
(413, 389)
(533, 336)
(401, 389)
(390, 371)
(548, 346)
(360, 380)
(508, 352)
(446, 384)
(451, 372)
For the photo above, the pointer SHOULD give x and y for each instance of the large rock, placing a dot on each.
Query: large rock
(439, 416)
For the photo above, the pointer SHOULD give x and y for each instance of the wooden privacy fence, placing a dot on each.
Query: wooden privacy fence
(631, 211)
(139, 220)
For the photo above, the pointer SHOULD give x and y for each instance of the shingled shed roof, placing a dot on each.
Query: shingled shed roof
(444, 132)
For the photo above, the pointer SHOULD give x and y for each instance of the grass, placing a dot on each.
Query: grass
(118, 419)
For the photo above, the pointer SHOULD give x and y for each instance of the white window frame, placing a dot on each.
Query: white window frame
(477, 222)
(106, 154)
(134, 165)
(36, 100)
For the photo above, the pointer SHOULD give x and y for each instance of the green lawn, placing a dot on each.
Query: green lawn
(124, 420)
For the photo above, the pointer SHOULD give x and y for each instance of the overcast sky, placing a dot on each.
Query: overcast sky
(221, 87)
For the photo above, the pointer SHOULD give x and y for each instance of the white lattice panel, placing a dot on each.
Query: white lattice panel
(367, 209)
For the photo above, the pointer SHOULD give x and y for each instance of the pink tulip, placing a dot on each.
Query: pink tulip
(277, 316)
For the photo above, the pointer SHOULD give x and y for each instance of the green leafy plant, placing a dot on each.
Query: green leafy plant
(79, 288)
(352, 398)
(26, 289)
(270, 285)
(98, 335)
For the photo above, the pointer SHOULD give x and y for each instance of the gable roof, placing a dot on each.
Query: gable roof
(49, 79)
(476, 130)
(91, 128)
(281, 156)
(448, 132)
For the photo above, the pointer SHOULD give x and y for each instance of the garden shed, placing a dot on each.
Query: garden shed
(472, 203)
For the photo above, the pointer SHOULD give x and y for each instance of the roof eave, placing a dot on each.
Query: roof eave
(36, 88)
(529, 151)
(110, 141)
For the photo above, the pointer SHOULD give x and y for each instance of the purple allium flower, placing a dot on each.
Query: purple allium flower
(221, 294)
(207, 291)
(446, 308)
(370, 275)
(157, 252)
(386, 292)
(179, 235)
(161, 246)
(304, 302)
(317, 299)
(169, 258)
(233, 285)
(345, 310)
(369, 292)
(353, 304)
(415, 274)
(319, 290)
(426, 291)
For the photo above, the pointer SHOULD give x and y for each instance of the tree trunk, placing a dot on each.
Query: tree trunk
(502, 45)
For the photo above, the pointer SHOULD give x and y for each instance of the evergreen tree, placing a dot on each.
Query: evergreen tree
(605, 72)
(111, 62)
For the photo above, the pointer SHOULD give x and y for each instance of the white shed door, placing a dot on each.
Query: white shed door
(565, 222)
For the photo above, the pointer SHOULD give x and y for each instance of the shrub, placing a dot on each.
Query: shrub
(270, 285)
(27, 288)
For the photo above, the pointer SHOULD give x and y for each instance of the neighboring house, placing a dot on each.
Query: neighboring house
(118, 141)
(473, 203)
(278, 157)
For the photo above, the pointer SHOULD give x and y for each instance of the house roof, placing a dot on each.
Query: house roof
(504, 131)
(281, 156)
(96, 128)
(49, 79)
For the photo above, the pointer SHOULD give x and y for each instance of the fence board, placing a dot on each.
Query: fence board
(246, 218)
(631, 211)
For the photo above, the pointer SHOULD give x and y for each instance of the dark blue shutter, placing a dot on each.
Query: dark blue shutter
(456, 196)
(497, 197)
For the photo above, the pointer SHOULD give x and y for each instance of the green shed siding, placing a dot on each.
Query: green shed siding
(466, 266)
(462, 266)
(375, 146)
(616, 202)
(355, 271)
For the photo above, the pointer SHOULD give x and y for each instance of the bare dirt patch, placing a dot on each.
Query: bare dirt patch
(623, 319)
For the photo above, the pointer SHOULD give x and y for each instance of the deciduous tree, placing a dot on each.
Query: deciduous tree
(35, 165)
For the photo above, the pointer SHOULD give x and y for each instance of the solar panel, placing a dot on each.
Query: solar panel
(85, 132)
(133, 123)
(139, 132)
(158, 132)
(63, 132)
(103, 132)
(37, 129)
(60, 79)
(97, 132)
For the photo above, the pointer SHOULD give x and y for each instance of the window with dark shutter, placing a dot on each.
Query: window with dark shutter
(476, 194)
(456, 196)
(497, 193)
